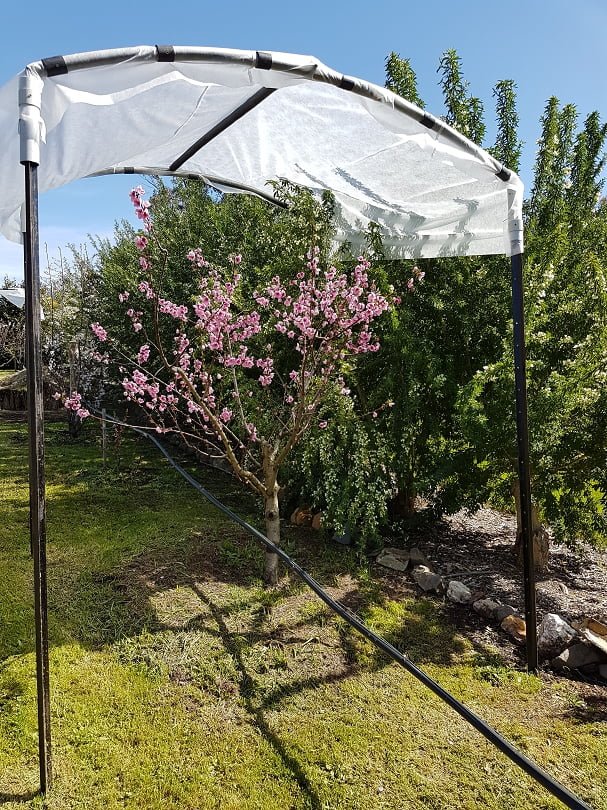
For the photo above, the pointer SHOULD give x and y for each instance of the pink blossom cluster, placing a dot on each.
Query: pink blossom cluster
(135, 316)
(74, 403)
(144, 354)
(418, 276)
(99, 332)
(197, 259)
(177, 311)
(326, 310)
(142, 207)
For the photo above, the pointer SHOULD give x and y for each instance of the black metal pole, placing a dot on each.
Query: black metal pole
(520, 379)
(35, 420)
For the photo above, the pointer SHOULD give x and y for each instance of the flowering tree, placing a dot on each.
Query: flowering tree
(241, 379)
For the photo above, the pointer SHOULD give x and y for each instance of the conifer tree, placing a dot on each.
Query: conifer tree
(401, 79)
(507, 148)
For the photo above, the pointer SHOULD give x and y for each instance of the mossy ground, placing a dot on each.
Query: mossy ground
(179, 682)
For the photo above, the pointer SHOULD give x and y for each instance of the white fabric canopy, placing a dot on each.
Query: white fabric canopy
(239, 119)
(16, 296)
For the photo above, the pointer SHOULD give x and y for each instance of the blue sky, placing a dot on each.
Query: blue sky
(549, 47)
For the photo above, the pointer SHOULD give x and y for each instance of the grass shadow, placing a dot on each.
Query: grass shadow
(18, 798)
(247, 690)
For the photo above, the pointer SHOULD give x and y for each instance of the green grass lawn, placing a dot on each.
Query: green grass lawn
(178, 682)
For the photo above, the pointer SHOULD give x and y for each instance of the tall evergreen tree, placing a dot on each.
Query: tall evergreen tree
(464, 112)
(507, 148)
(401, 79)
(587, 166)
(553, 167)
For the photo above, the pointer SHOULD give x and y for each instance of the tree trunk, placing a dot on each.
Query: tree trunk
(74, 422)
(272, 515)
(541, 542)
(402, 504)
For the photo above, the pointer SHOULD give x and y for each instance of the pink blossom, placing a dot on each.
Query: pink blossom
(74, 403)
(144, 287)
(141, 242)
(195, 256)
(99, 332)
(144, 354)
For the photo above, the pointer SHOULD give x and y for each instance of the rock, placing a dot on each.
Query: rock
(317, 521)
(553, 584)
(392, 562)
(515, 627)
(296, 516)
(553, 635)
(486, 607)
(458, 592)
(345, 538)
(418, 557)
(395, 558)
(578, 656)
(501, 611)
(595, 632)
(302, 516)
(426, 579)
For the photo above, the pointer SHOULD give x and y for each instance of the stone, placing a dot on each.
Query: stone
(553, 635)
(418, 557)
(595, 632)
(458, 592)
(501, 611)
(297, 515)
(392, 562)
(317, 521)
(486, 607)
(578, 656)
(553, 584)
(395, 558)
(515, 627)
(302, 516)
(345, 538)
(427, 579)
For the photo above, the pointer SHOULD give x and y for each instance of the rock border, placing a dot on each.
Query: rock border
(582, 648)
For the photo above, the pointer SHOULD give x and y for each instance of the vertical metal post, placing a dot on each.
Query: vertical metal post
(520, 379)
(35, 420)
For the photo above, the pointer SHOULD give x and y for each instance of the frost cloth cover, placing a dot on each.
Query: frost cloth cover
(15, 296)
(432, 192)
